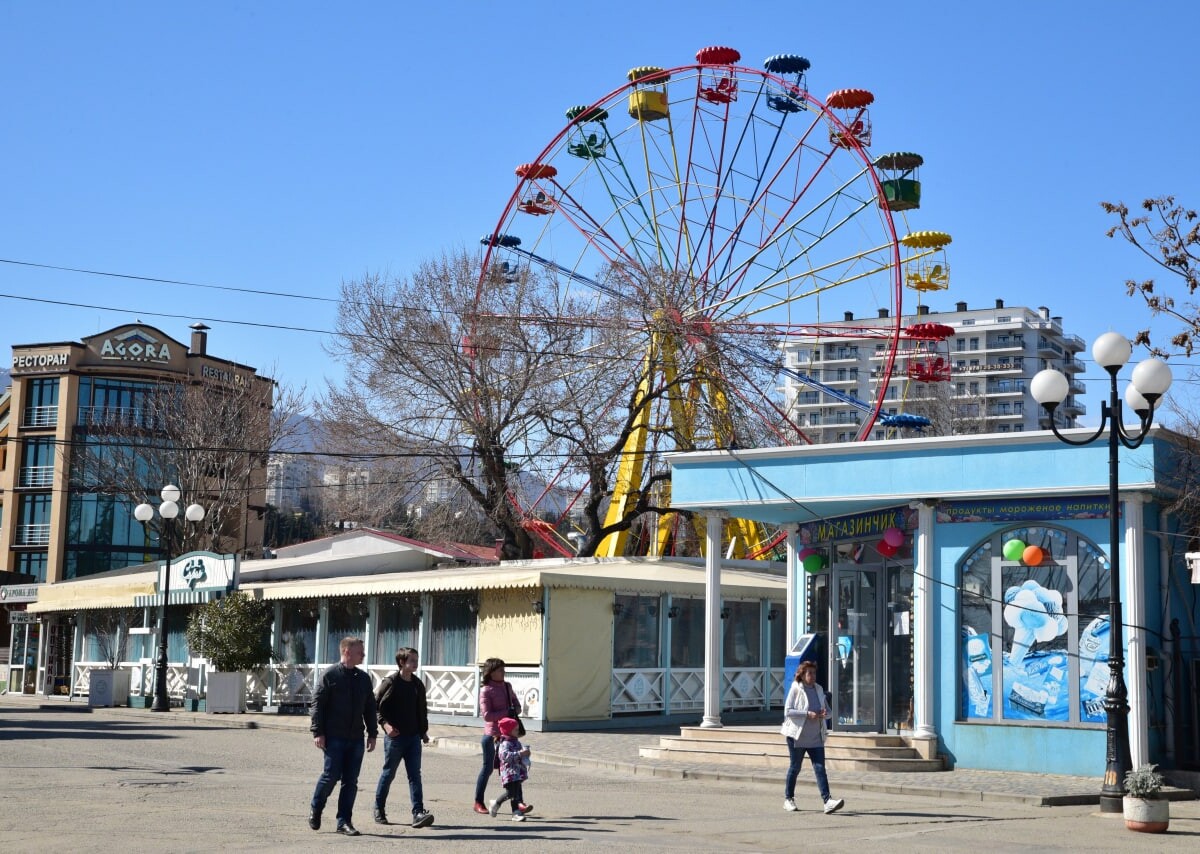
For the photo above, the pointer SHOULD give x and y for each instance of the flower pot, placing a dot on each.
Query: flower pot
(108, 687)
(1147, 816)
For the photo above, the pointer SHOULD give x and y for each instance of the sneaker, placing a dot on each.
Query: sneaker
(493, 807)
(422, 819)
(480, 808)
(518, 816)
(314, 819)
(524, 809)
(789, 804)
(347, 829)
(380, 816)
(832, 805)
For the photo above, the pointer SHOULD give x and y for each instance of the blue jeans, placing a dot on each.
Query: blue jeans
(395, 749)
(343, 759)
(488, 743)
(796, 754)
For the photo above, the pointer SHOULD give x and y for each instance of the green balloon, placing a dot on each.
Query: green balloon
(1013, 550)
(814, 563)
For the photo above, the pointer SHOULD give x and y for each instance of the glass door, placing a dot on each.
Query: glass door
(855, 646)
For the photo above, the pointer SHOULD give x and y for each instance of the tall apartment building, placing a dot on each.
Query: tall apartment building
(66, 403)
(982, 373)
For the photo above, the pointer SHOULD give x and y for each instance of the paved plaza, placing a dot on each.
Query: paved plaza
(122, 779)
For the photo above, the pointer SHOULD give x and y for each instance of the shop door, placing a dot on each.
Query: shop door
(856, 647)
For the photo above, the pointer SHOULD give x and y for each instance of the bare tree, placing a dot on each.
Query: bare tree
(1169, 235)
(950, 412)
(111, 628)
(211, 439)
(450, 376)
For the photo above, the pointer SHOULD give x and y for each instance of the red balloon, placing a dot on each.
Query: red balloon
(885, 548)
(1032, 556)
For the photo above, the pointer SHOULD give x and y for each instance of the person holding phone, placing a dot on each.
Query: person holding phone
(804, 714)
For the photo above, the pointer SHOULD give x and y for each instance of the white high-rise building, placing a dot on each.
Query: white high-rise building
(975, 381)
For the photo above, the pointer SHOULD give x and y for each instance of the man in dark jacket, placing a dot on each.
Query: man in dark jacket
(343, 707)
(404, 719)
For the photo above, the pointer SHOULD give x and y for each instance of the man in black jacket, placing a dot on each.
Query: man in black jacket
(342, 708)
(404, 719)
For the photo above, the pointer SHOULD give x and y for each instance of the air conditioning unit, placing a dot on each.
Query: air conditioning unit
(1193, 562)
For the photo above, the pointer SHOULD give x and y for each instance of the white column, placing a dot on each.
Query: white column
(712, 620)
(795, 597)
(1134, 615)
(923, 604)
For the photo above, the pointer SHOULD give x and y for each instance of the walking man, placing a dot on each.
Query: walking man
(342, 709)
(404, 719)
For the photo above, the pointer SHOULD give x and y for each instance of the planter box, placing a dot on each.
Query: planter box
(191, 704)
(106, 686)
(140, 701)
(226, 693)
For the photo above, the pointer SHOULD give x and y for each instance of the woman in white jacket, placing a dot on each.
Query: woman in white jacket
(804, 714)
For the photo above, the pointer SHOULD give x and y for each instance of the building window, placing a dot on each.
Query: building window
(974, 388)
(974, 343)
(743, 635)
(297, 643)
(960, 344)
(1023, 656)
(33, 520)
(347, 618)
(687, 633)
(452, 630)
(636, 631)
(34, 564)
(41, 402)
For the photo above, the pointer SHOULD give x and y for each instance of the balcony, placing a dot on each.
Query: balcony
(33, 535)
(121, 416)
(1046, 347)
(1073, 408)
(1074, 343)
(36, 477)
(40, 416)
(1006, 342)
(1072, 366)
(1006, 387)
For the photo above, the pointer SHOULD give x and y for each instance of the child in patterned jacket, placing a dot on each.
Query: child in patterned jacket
(513, 761)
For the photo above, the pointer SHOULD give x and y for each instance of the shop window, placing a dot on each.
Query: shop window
(1034, 638)
(636, 631)
(399, 621)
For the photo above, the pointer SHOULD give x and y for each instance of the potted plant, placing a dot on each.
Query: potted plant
(110, 628)
(234, 634)
(1145, 809)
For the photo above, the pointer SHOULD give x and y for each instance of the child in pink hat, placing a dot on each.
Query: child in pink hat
(513, 758)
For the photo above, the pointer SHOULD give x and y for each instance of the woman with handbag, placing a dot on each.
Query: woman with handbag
(497, 700)
(804, 714)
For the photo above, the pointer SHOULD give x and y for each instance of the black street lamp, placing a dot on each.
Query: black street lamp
(169, 511)
(1150, 381)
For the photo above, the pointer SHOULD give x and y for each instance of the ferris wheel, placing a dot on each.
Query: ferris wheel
(694, 220)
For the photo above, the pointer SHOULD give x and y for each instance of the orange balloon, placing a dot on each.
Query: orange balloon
(1032, 556)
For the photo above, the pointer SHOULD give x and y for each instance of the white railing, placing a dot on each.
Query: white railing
(36, 476)
(33, 535)
(642, 689)
(40, 416)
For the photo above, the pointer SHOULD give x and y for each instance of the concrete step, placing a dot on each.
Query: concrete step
(833, 749)
(764, 747)
(770, 735)
(774, 761)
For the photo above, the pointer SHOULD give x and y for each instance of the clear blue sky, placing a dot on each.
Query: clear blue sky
(288, 146)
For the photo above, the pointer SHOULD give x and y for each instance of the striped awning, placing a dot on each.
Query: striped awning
(179, 597)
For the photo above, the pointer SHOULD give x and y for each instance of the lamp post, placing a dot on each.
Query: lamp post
(1150, 381)
(169, 511)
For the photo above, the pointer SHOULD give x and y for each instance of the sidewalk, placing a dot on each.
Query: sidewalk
(617, 750)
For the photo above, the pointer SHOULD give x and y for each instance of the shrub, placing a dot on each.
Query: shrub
(234, 633)
(1143, 783)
